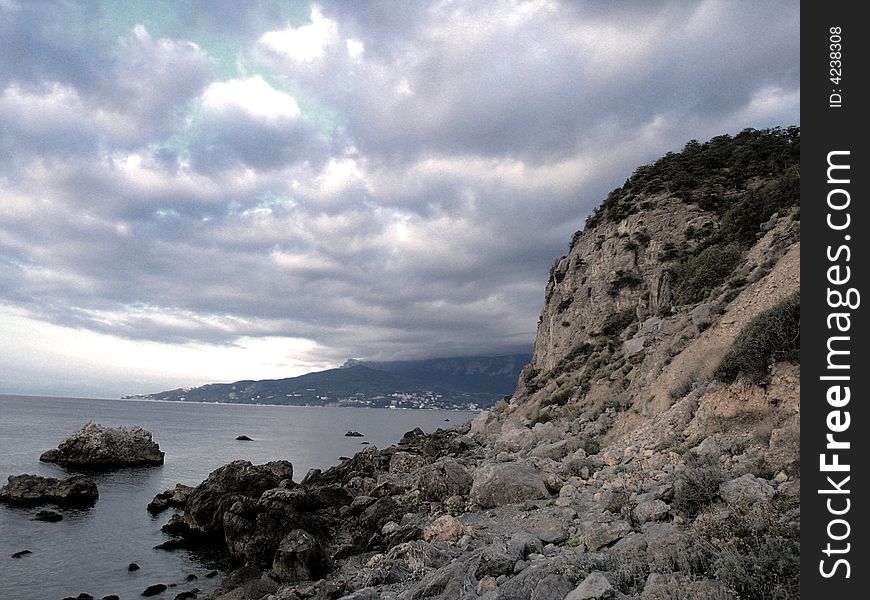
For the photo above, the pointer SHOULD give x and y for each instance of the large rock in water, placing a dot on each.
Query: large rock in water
(27, 490)
(97, 447)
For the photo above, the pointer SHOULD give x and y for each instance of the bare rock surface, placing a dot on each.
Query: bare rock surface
(95, 447)
(28, 490)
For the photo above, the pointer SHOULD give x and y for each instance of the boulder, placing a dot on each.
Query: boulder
(599, 534)
(28, 490)
(153, 590)
(353, 434)
(507, 483)
(300, 557)
(747, 489)
(650, 510)
(175, 498)
(100, 448)
(594, 587)
(238, 480)
(445, 528)
(442, 479)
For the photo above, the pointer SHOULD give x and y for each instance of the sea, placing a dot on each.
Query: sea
(90, 549)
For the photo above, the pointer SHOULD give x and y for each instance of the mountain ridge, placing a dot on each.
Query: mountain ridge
(453, 382)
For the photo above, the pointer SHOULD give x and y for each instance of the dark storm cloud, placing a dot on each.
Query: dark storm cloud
(388, 179)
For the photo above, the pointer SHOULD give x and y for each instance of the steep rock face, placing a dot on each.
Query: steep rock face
(627, 463)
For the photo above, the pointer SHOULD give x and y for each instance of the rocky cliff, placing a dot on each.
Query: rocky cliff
(649, 451)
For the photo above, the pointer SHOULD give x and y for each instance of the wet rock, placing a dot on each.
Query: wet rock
(100, 448)
(244, 438)
(594, 587)
(49, 516)
(175, 498)
(153, 590)
(27, 490)
(300, 557)
(111, 597)
(188, 595)
(353, 434)
(21, 553)
(133, 567)
(507, 483)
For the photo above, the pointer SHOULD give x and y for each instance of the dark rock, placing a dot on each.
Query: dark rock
(24, 490)
(175, 544)
(97, 447)
(111, 597)
(21, 553)
(523, 543)
(244, 438)
(365, 443)
(49, 516)
(153, 590)
(442, 479)
(353, 434)
(175, 498)
(450, 582)
(133, 567)
(300, 557)
(211, 574)
(343, 458)
(189, 595)
(238, 480)
(491, 561)
(191, 577)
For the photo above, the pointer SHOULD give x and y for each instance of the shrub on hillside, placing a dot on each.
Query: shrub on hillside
(772, 336)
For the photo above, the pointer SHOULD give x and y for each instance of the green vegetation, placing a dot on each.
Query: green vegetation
(702, 271)
(623, 279)
(617, 322)
(706, 174)
(773, 335)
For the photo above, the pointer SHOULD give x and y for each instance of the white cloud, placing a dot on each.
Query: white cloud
(252, 96)
(304, 44)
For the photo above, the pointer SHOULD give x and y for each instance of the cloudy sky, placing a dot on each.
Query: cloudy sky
(195, 191)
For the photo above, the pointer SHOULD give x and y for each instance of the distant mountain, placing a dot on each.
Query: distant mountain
(458, 382)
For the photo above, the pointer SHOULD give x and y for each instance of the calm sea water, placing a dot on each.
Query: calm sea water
(90, 549)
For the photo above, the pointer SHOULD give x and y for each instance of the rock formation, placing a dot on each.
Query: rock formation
(95, 447)
(639, 457)
(28, 490)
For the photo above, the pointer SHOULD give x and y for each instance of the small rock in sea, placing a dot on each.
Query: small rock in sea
(191, 577)
(446, 420)
(353, 434)
(211, 574)
(111, 597)
(153, 590)
(49, 516)
(21, 553)
(343, 458)
(185, 595)
(244, 438)
(82, 596)
(175, 544)
(132, 567)
(365, 443)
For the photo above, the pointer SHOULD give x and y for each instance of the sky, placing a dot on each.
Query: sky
(198, 191)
